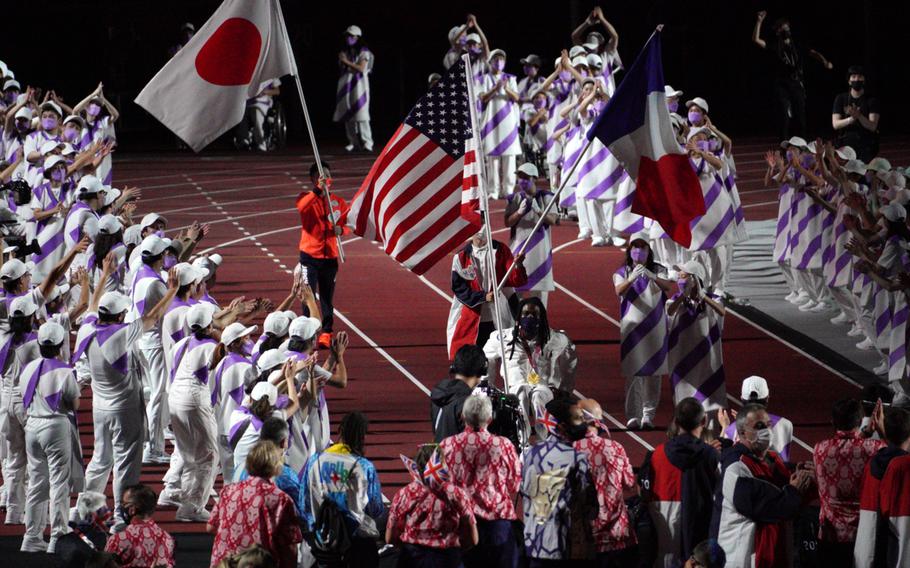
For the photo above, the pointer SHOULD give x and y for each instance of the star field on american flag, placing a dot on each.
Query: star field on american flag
(442, 114)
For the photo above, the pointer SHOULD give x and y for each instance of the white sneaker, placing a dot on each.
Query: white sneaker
(33, 545)
(618, 241)
(598, 242)
(584, 233)
(791, 297)
(841, 319)
(52, 546)
(802, 298)
(820, 307)
(13, 518)
(168, 434)
(168, 499)
(349, 148)
(855, 331)
(866, 345)
(647, 424)
(807, 306)
(633, 424)
(151, 457)
(367, 148)
(189, 514)
(882, 369)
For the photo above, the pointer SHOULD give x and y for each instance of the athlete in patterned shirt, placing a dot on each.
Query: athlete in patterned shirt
(143, 543)
(487, 467)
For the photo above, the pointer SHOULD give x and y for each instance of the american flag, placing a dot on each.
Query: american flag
(421, 196)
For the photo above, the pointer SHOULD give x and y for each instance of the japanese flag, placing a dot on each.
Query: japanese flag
(202, 91)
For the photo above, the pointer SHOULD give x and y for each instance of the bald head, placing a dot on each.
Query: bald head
(592, 406)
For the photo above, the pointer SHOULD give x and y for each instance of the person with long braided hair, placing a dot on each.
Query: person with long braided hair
(539, 358)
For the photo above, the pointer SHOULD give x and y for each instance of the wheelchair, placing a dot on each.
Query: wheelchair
(274, 130)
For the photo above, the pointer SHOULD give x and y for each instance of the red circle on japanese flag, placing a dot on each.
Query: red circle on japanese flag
(230, 55)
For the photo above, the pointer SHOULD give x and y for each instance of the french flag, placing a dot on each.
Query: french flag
(635, 126)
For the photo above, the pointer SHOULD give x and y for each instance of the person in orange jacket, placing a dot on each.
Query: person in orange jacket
(319, 243)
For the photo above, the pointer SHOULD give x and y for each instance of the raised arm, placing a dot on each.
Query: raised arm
(484, 44)
(80, 276)
(611, 31)
(821, 59)
(156, 313)
(578, 34)
(336, 361)
(108, 267)
(756, 31)
(57, 272)
(80, 106)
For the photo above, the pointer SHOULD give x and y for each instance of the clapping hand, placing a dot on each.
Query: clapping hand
(340, 343)
(524, 206)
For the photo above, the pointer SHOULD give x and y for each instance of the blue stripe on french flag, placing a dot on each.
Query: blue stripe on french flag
(635, 125)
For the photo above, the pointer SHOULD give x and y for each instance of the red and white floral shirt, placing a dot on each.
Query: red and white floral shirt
(255, 511)
(612, 472)
(142, 544)
(487, 466)
(839, 465)
(431, 518)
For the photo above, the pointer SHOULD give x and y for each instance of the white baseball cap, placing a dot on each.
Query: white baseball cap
(51, 105)
(304, 327)
(23, 306)
(595, 61)
(265, 389)
(52, 161)
(210, 262)
(74, 118)
(13, 269)
(132, 235)
(153, 245)
(580, 60)
(754, 388)
(699, 102)
(496, 52)
(855, 167)
(590, 46)
(576, 51)
(699, 130)
(271, 359)
(692, 267)
(111, 194)
(671, 92)
(24, 112)
(51, 333)
(113, 303)
(12, 84)
(472, 38)
(187, 273)
(89, 184)
(453, 33)
(879, 165)
(894, 212)
(846, 153)
(354, 31)
(277, 324)
(68, 149)
(235, 331)
(198, 316)
(528, 169)
(150, 219)
(49, 147)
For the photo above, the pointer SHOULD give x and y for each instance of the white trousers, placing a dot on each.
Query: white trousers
(501, 177)
(155, 379)
(118, 446)
(48, 443)
(846, 301)
(812, 282)
(226, 453)
(359, 134)
(12, 418)
(787, 273)
(668, 252)
(196, 436)
(600, 216)
(642, 397)
(531, 397)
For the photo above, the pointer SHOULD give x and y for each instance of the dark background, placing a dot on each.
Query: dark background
(70, 46)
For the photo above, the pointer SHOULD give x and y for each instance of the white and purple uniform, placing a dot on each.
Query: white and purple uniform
(539, 252)
(229, 378)
(352, 99)
(695, 356)
(499, 132)
(50, 230)
(100, 130)
(561, 95)
(310, 427)
(74, 228)
(173, 328)
(535, 136)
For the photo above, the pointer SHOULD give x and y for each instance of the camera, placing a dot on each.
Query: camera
(508, 420)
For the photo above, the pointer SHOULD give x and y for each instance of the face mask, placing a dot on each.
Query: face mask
(499, 64)
(170, 261)
(530, 70)
(351, 40)
(69, 135)
(93, 109)
(789, 155)
(57, 175)
(49, 123)
(529, 325)
(462, 41)
(672, 106)
(475, 50)
(694, 117)
(565, 76)
(702, 145)
(857, 85)
(600, 105)
(11, 97)
(524, 184)
(539, 103)
(762, 441)
(159, 233)
(583, 73)
(22, 126)
(681, 284)
(714, 145)
(638, 254)
(576, 432)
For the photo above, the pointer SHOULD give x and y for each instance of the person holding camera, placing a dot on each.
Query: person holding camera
(447, 398)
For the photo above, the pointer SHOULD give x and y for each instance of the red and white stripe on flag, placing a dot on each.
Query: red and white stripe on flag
(202, 91)
(421, 197)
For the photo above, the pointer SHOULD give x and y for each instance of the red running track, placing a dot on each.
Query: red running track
(397, 320)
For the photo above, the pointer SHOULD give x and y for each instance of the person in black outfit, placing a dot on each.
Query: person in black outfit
(789, 85)
(855, 117)
(447, 398)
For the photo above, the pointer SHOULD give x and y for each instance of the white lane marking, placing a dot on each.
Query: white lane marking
(759, 204)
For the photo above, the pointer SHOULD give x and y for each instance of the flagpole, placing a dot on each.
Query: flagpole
(327, 194)
(547, 209)
(488, 231)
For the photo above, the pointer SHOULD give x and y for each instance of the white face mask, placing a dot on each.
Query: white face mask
(763, 439)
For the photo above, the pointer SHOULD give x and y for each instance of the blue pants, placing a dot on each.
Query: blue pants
(416, 556)
(497, 546)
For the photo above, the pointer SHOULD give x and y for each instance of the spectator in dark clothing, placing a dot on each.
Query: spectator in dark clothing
(447, 397)
(855, 117)
(680, 478)
(89, 536)
(789, 88)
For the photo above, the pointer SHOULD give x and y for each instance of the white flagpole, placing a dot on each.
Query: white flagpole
(488, 232)
(309, 126)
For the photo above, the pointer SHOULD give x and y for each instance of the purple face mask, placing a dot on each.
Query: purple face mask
(583, 73)
(499, 64)
(714, 145)
(69, 134)
(638, 254)
(49, 123)
(672, 106)
(462, 40)
(539, 103)
(11, 97)
(170, 261)
(475, 49)
(681, 284)
(351, 40)
(93, 109)
(159, 233)
(694, 117)
(58, 174)
(565, 76)
(22, 125)
(530, 70)
(524, 184)
(702, 145)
